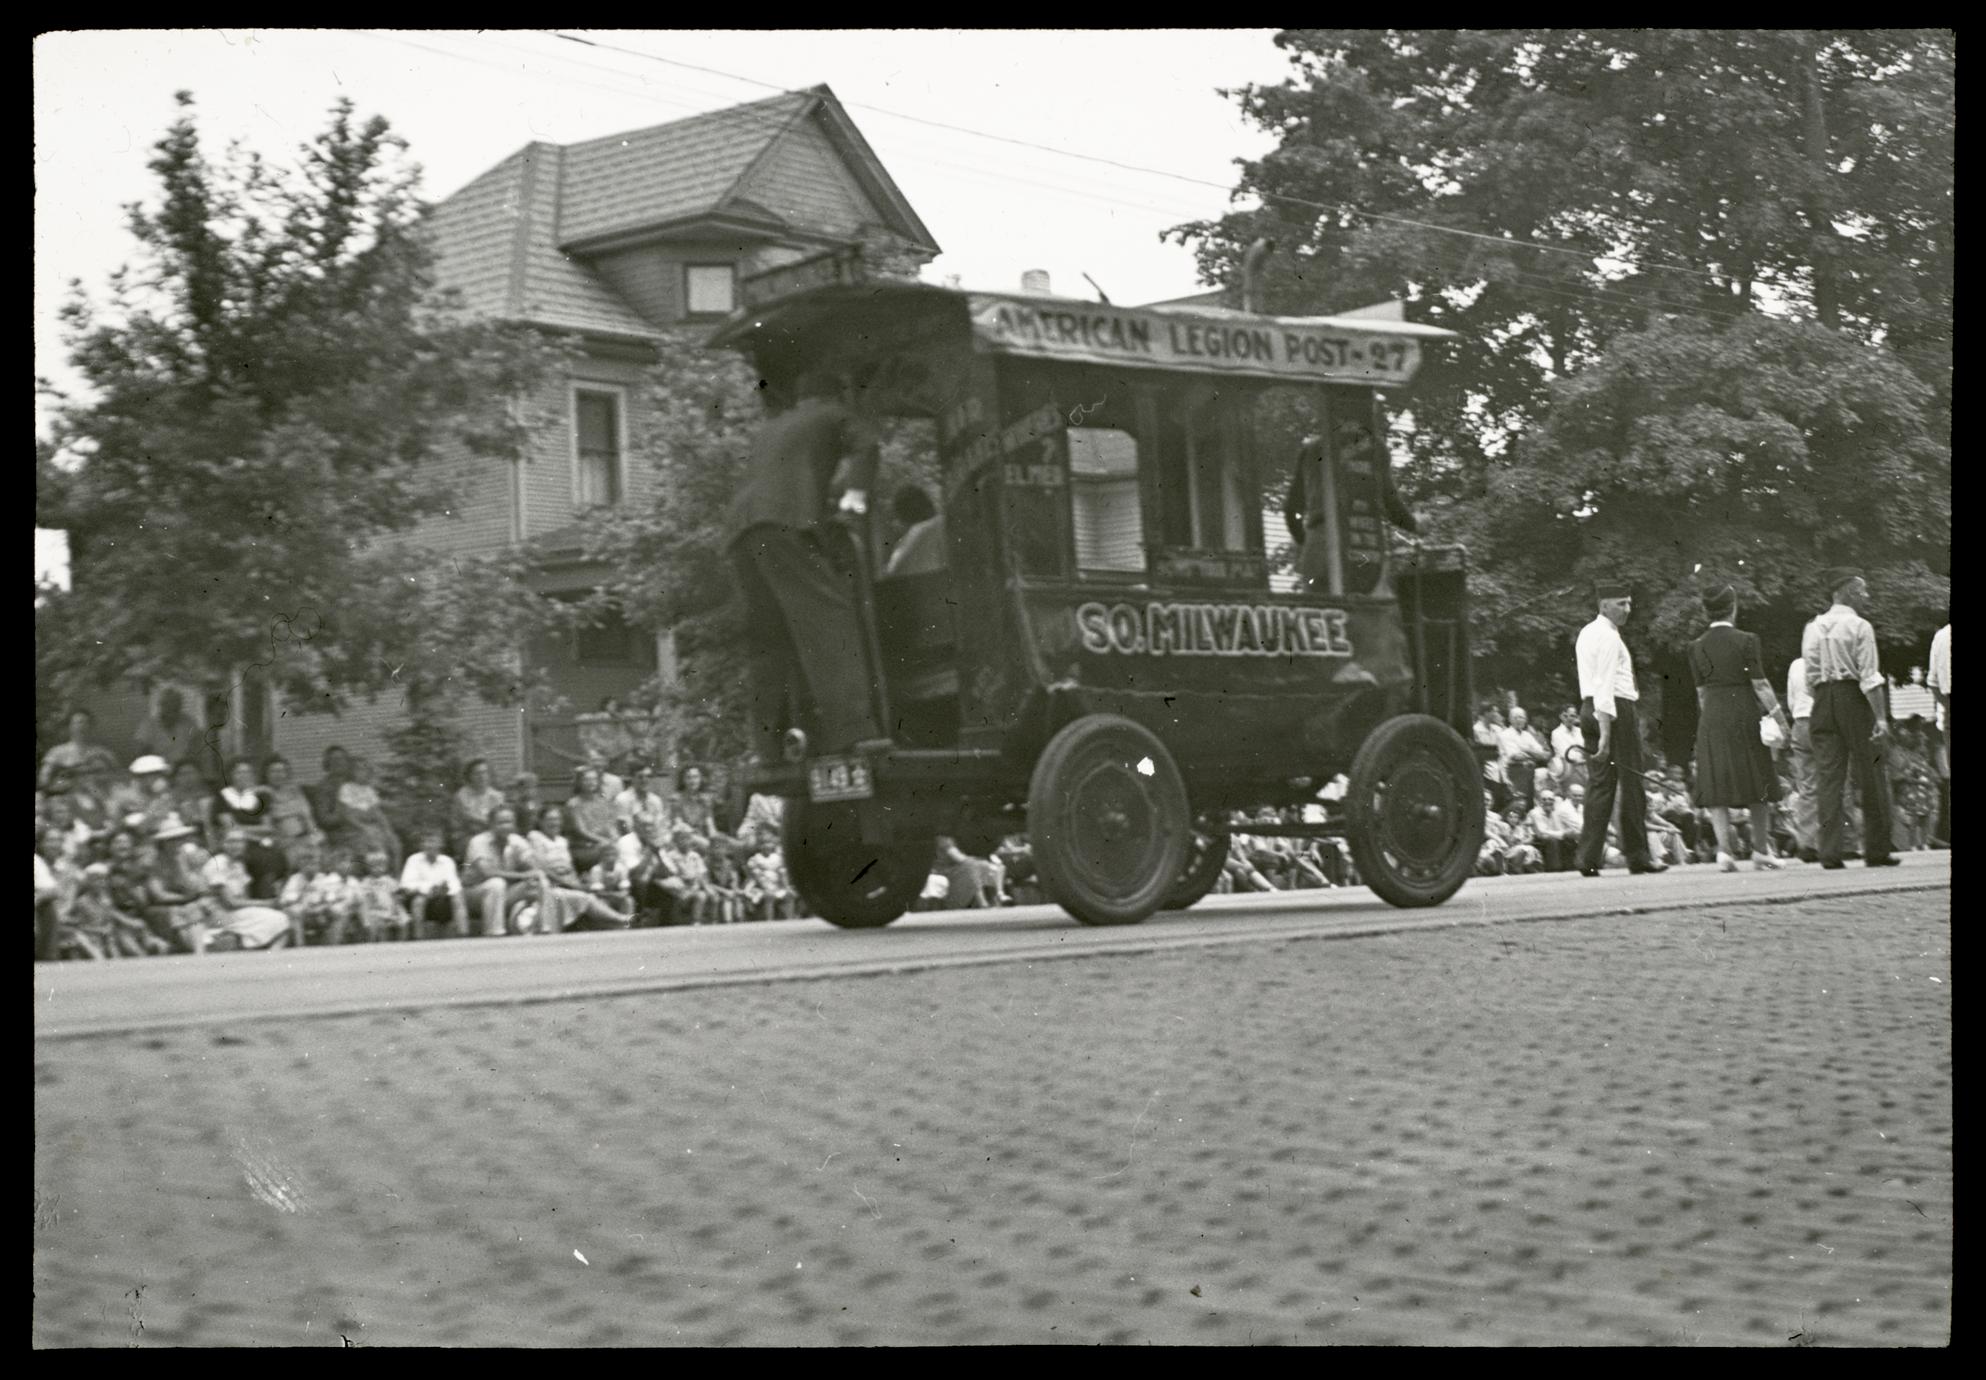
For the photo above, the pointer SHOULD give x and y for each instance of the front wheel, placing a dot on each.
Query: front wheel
(856, 885)
(1107, 820)
(1206, 857)
(1414, 811)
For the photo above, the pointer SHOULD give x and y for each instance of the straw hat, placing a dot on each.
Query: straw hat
(149, 765)
(172, 827)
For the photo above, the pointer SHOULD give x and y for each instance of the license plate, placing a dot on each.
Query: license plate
(839, 778)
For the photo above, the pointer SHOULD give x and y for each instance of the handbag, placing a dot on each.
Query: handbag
(1770, 733)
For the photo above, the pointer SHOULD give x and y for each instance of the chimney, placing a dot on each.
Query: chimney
(1035, 280)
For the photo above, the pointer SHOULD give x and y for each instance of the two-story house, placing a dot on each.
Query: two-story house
(615, 241)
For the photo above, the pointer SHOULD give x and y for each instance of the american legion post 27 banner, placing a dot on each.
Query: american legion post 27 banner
(1377, 354)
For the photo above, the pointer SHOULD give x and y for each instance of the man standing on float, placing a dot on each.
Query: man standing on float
(803, 626)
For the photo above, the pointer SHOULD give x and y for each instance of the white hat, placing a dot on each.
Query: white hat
(172, 827)
(148, 764)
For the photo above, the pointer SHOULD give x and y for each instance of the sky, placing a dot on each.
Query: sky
(466, 99)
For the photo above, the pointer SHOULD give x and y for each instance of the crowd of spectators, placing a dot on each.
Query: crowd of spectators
(156, 858)
(1534, 793)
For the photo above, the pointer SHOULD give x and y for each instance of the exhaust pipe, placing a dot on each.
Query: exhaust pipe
(1251, 274)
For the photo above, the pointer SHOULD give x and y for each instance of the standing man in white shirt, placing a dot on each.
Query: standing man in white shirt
(1613, 737)
(1850, 721)
(1940, 681)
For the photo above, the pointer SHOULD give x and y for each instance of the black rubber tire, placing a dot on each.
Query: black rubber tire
(1108, 823)
(1206, 856)
(1414, 811)
(846, 882)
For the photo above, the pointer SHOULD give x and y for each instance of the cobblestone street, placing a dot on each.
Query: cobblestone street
(1731, 1126)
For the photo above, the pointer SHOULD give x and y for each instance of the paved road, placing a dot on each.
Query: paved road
(80, 998)
(1721, 1122)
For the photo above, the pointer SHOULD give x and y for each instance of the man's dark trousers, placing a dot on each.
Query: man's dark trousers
(804, 630)
(1844, 751)
(1621, 771)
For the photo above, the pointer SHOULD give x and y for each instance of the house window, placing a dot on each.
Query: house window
(709, 289)
(597, 424)
(606, 639)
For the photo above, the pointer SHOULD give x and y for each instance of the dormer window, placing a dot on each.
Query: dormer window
(710, 289)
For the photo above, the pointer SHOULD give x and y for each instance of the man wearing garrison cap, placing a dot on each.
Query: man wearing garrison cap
(1613, 737)
(1850, 719)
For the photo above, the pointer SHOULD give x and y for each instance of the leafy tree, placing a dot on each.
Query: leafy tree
(268, 393)
(1704, 280)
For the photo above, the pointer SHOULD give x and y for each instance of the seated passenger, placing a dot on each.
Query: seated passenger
(921, 548)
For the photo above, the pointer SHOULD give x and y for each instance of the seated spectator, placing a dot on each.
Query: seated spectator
(376, 911)
(764, 814)
(341, 832)
(695, 901)
(1669, 798)
(101, 929)
(640, 798)
(1665, 841)
(1523, 854)
(768, 892)
(474, 804)
(78, 756)
(91, 791)
(525, 797)
(1554, 831)
(73, 838)
(590, 826)
(564, 900)
(1017, 858)
(177, 906)
(970, 883)
(193, 799)
(498, 872)
(151, 784)
(359, 806)
(290, 818)
(241, 805)
(652, 884)
(1521, 752)
(432, 890)
(727, 881)
(50, 909)
(317, 898)
(1566, 735)
(693, 804)
(1497, 841)
(611, 783)
(243, 922)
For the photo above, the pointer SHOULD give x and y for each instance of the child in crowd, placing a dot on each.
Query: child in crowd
(432, 889)
(1912, 788)
(317, 898)
(1523, 855)
(727, 882)
(376, 899)
(101, 929)
(767, 890)
(691, 870)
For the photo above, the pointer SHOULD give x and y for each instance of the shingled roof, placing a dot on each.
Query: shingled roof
(514, 242)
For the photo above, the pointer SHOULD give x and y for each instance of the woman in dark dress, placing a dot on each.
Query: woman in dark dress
(1733, 767)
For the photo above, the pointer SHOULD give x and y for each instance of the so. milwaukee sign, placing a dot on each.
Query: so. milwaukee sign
(1229, 630)
(1260, 346)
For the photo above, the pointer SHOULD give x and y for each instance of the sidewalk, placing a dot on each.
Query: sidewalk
(1726, 1126)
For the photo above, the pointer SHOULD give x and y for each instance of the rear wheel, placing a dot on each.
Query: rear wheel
(1107, 820)
(856, 885)
(1206, 856)
(1414, 811)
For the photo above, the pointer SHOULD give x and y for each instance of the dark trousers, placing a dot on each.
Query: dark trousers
(1621, 773)
(804, 632)
(1844, 752)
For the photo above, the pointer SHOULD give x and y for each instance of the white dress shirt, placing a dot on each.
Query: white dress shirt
(1566, 736)
(1840, 645)
(1939, 674)
(1799, 699)
(424, 877)
(1606, 671)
